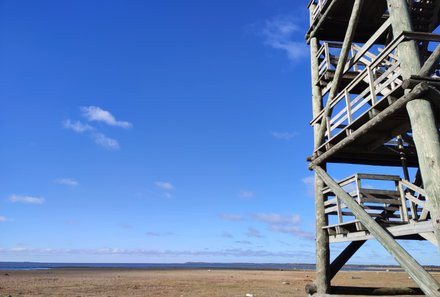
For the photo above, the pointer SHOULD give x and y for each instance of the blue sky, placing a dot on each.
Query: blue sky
(158, 131)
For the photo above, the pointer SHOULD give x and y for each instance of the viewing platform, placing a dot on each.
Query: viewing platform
(398, 205)
(371, 84)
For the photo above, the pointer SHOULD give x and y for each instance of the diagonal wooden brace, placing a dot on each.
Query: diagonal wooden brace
(427, 283)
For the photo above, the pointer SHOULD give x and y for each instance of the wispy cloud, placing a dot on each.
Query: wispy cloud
(77, 126)
(67, 182)
(247, 194)
(157, 234)
(246, 242)
(3, 219)
(126, 226)
(104, 141)
(309, 182)
(97, 114)
(231, 217)
(164, 185)
(252, 232)
(284, 135)
(281, 32)
(294, 230)
(26, 199)
(227, 235)
(273, 218)
(289, 224)
(239, 253)
(167, 195)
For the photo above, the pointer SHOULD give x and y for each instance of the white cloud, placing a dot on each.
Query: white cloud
(284, 135)
(283, 224)
(97, 114)
(26, 199)
(104, 141)
(67, 182)
(279, 33)
(309, 182)
(3, 219)
(273, 218)
(164, 185)
(77, 126)
(294, 230)
(247, 194)
(231, 217)
(252, 232)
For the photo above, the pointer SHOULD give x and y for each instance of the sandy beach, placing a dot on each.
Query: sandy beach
(181, 283)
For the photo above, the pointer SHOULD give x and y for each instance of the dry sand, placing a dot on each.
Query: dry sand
(181, 283)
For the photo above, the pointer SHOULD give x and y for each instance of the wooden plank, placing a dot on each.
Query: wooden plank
(366, 47)
(405, 230)
(404, 212)
(427, 283)
(378, 176)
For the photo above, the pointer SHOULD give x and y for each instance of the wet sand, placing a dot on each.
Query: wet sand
(181, 283)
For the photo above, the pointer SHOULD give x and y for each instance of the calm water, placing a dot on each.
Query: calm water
(40, 266)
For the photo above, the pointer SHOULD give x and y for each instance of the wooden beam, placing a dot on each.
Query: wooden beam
(349, 35)
(344, 256)
(431, 63)
(420, 112)
(322, 281)
(427, 283)
(418, 91)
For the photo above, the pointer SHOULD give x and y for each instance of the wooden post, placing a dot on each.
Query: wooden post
(427, 283)
(339, 72)
(424, 128)
(322, 242)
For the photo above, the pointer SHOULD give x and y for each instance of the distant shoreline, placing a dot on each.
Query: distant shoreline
(9, 266)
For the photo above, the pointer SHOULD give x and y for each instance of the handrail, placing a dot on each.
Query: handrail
(380, 203)
(381, 74)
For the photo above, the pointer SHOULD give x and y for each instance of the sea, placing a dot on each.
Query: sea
(188, 265)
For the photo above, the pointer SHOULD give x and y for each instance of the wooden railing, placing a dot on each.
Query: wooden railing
(319, 7)
(379, 75)
(396, 202)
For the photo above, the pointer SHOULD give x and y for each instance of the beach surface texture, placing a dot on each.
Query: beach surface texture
(182, 282)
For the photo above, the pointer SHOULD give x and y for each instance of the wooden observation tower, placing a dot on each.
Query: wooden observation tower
(376, 101)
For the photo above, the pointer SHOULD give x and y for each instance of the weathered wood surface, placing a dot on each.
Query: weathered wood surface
(379, 119)
(423, 124)
(322, 241)
(431, 63)
(426, 282)
(315, 27)
(349, 34)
